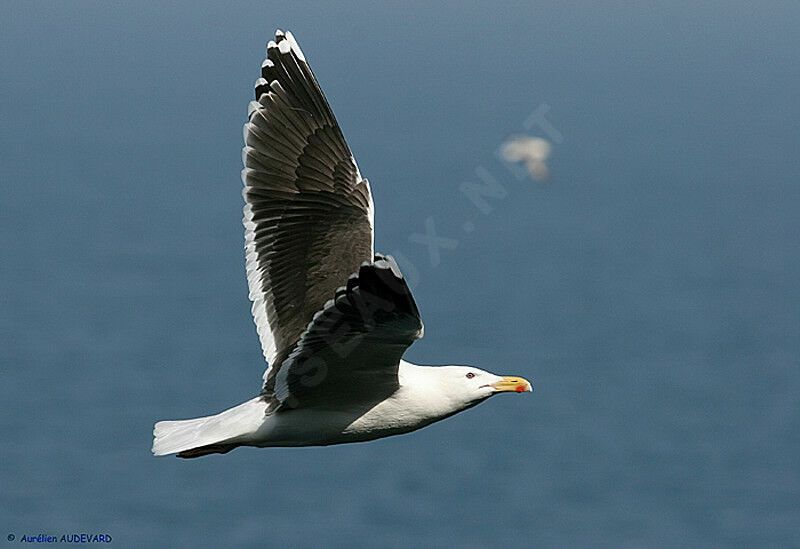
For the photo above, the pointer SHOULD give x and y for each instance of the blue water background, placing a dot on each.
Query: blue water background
(649, 290)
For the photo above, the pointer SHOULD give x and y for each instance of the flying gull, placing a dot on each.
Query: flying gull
(334, 317)
(533, 151)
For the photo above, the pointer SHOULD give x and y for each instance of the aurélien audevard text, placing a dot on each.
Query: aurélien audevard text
(66, 538)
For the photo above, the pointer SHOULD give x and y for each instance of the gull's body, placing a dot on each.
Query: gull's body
(333, 317)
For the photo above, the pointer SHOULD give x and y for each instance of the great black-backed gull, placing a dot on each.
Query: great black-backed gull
(333, 317)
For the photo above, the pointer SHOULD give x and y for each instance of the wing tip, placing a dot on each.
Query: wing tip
(285, 43)
(387, 262)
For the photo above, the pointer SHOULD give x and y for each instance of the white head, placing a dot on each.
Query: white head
(466, 386)
(432, 393)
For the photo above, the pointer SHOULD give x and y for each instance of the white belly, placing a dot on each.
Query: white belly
(320, 427)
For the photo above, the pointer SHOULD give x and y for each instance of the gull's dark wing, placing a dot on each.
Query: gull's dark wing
(308, 214)
(350, 350)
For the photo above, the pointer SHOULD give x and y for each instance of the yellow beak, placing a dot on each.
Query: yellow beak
(514, 384)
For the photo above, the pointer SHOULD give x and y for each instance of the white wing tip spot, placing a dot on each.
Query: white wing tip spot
(295, 47)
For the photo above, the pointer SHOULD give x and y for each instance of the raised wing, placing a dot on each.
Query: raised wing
(351, 348)
(308, 213)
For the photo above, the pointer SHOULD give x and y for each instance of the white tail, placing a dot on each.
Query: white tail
(230, 427)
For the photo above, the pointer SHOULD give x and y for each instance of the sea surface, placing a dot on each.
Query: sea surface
(649, 289)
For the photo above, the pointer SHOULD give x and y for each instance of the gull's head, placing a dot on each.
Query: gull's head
(472, 385)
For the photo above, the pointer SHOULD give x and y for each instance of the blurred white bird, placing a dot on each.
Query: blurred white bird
(533, 151)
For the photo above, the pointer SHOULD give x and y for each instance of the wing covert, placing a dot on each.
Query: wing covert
(353, 345)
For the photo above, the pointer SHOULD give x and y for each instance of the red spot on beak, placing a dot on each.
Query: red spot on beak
(520, 388)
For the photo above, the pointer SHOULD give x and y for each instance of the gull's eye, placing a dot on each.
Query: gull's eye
(470, 375)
